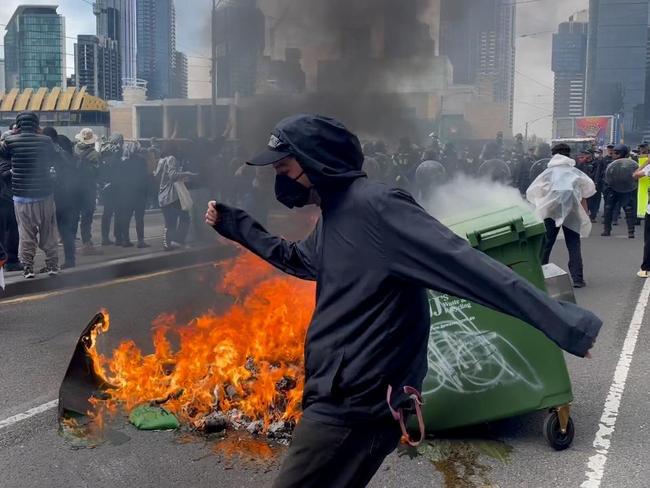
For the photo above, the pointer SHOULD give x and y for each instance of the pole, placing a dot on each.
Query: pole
(214, 68)
(526, 136)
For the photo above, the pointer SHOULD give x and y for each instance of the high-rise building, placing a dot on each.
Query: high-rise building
(116, 20)
(569, 63)
(180, 75)
(156, 51)
(97, 66)
(478, 37)
(618, 62)
(35, 48)
(240, 40)
(2, 75)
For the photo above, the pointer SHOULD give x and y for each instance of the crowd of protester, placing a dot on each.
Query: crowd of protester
(51, 186)
(42, 205)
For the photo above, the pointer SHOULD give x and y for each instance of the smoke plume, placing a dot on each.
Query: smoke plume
(465, 197)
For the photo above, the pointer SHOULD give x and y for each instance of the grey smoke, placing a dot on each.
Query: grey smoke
(465, 197)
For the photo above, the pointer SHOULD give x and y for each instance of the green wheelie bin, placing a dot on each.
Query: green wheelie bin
(484, 365)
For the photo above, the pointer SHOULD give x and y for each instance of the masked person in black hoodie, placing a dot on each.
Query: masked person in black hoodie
(374, 253)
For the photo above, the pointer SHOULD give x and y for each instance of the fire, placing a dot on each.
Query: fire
(248, 359)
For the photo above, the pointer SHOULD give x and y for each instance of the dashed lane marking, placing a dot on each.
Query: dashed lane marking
(602, 442)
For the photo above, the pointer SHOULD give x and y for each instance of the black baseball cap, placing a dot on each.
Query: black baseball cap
(275, 151)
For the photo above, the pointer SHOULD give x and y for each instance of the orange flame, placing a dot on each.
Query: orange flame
(233, 360)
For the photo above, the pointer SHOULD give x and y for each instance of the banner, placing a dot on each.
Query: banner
(595, 127)
(644, 187)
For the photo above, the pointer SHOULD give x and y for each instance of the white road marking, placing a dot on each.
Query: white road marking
(602, 443)
(32, 412)
(118, 281)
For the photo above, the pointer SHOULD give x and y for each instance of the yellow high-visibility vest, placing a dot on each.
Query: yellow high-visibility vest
(644, 189)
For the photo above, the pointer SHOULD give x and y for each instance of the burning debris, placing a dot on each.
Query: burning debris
(239, 370)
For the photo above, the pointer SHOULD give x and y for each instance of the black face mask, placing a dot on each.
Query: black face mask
(290, 193)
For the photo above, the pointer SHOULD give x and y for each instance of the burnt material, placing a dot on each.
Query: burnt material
(81, 382)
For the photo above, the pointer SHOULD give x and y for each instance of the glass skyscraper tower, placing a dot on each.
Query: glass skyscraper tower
(35, 48)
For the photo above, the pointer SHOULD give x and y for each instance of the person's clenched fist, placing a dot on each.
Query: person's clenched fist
(212, 214)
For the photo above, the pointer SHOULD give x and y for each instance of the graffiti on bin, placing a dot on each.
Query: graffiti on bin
(465, 359)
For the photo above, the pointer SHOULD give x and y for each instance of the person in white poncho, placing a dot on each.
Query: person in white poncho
(560, 195)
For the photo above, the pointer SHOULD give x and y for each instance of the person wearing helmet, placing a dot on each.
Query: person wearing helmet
(373, 253)
(614, 198)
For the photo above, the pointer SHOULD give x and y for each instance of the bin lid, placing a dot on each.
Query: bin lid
(487, 229)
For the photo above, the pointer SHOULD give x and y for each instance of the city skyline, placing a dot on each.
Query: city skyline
(533, 99)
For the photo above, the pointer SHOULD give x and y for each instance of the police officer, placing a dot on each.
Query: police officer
(626, 200)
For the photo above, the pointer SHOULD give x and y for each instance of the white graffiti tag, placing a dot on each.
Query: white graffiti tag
(465, 359)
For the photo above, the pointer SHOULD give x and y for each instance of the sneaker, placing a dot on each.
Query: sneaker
(643, 274)
(28, 272)
(53, 270)
(11, 267)
(67, 265)
(579, 284)
(606, 233)
(89, 250)
(142, 245)
(127, 244)
(107, 242)
(630, 235)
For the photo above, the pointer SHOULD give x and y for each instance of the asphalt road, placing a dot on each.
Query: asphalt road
(39, 333)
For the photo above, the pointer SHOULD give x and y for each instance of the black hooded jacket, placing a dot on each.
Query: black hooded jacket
(31, 155)
(374, 254)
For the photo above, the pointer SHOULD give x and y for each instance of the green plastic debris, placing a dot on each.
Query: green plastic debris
(146, 417)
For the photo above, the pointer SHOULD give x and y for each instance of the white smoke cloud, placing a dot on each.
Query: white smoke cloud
(465, 197)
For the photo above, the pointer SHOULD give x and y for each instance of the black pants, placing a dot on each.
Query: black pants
(67, 220)
(593, 204)
(177, 223)
(9, 231)
(109, 214)
(646, 244)
(572, 240)
(131, 206)
(327, 456)
(87, 203)
(613, 202)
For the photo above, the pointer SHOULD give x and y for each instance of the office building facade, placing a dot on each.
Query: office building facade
(116, 20)
(156, 46)
(569, 64)
(478, 37)
(35, 48)
(97, 66)
(240, 41)
(618, 75)
(180, 75)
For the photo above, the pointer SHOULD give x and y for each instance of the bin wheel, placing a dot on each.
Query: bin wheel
(553, 434)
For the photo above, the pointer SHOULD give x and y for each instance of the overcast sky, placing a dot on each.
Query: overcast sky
(533, 99)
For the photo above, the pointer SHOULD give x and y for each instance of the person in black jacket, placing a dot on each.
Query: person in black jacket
(133, 184)
(8, 225)
(66, 195)
(88, 161)
(374, 253)
(112, 181)
(32, 156)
